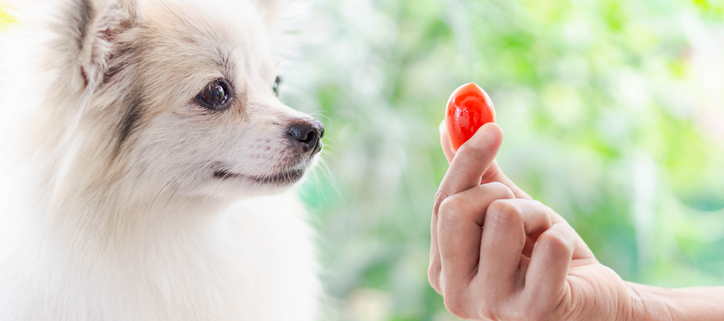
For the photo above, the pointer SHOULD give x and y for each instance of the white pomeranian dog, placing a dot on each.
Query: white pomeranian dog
(148, 166)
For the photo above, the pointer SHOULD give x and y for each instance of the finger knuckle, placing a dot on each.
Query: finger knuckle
(547, 211)
(501, 190)
(545, 208)
(457, 305)
(503, 206)
(550, 214)
(503, 213)
(440, 196)
(452, 208)
(497, 185)
(555, 241)
(433, 276)
(488, 312)
(540, 204)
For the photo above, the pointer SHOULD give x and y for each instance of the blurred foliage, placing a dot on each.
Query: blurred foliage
(613, 113)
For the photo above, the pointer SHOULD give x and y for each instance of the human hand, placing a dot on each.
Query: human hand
(527, 263)
(485, 159)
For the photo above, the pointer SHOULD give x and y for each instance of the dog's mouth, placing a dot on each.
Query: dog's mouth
(283, 178)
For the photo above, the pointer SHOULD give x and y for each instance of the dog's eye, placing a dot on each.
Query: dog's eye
(275, 87)
(216, 96)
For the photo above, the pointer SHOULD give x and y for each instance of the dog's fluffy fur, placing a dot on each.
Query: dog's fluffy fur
(121, 197)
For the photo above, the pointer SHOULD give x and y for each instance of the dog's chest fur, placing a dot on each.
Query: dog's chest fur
(252, 263)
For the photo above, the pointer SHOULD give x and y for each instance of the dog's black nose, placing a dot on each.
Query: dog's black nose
(307, 134)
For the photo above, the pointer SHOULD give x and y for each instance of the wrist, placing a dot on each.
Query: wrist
(647, 303)
(690, 304)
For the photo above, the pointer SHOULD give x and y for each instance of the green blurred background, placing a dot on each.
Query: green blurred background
(613, 112)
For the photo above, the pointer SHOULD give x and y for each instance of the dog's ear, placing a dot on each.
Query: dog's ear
(97, 24)
(276, 12)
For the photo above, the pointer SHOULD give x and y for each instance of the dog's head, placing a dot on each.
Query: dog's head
(178, 94)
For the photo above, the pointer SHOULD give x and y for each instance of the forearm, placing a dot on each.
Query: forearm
(691, 304)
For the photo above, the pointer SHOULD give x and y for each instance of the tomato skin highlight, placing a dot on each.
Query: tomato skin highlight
(468, 108)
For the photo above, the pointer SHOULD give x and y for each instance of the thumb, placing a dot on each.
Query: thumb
(492, 132)
(493, 173)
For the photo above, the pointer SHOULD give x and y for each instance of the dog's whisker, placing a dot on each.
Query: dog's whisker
(320, 114)
(324, 168)
(169, 199)
(157, 194)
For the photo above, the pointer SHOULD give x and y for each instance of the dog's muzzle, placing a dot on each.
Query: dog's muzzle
(307, 135)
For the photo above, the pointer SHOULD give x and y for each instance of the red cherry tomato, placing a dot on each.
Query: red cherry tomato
(468, 108)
